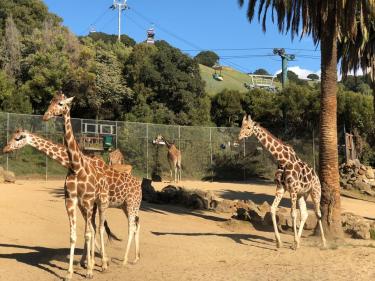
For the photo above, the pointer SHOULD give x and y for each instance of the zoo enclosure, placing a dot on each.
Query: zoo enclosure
(208, 153)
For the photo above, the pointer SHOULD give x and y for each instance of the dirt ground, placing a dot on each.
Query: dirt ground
(176, 243)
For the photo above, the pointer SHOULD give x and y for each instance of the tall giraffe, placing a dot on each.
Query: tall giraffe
(58, 152)
(118, 190)
(173, 156)
(293, 175)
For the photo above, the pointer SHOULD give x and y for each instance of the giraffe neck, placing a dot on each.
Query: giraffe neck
(54, 151)
(167, 143)
(74, 153)
(282, 153)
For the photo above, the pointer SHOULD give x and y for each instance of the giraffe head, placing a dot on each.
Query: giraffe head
(159, 140)
(19, 139)
(247, 128)
(58, 106)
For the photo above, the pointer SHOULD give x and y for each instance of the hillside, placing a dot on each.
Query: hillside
(233, 80)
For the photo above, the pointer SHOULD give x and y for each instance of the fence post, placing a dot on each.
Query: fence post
(211, 159)
(244, 155)
(45, 130)
(7, 140)
(147, 150)
(116, 133)
(179, 143)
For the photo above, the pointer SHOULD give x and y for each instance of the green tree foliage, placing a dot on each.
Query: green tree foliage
(292, 77)
(359, 84)
(161, 74)
(27, 14)
(313, 76)
(112, 38)
(10, 49)
(226, 109)
(207, 58)
(104, 90)
(261, 71)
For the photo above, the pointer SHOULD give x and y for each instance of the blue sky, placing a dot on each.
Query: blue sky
(191, 25)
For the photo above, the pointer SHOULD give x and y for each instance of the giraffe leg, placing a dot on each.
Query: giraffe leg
(71, 208)
(88, 241)
(293, 213)
(131, 232)
(137, 253)
(304, 215)
(101, 232)
(84, 257)
(316, 199)
(279, 195)
(175, 174)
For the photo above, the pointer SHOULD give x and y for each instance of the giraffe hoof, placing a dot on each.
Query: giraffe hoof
(134, 261)
(89, 275)
(295, 245)
(279, 244)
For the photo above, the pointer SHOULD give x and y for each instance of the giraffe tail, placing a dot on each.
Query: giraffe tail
(110, 234)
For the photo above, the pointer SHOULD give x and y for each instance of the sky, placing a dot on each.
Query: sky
(192, 26)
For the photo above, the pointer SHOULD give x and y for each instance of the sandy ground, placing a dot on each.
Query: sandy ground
(176, 244)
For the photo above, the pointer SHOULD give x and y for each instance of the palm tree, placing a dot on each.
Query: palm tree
(327, 21)
(359, 53)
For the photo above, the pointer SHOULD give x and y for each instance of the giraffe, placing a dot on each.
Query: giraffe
(292, 175)
(117, 190)
(116, 157)
(58, 152)
(173, 156)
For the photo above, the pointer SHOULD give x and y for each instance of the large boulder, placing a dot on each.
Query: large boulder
(370, 173)
(9, 176)
(148, 191)
(356, 226)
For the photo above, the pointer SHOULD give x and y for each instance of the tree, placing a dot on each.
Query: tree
(10, 57)
(326, 22)
(360, 53)
(226, 109)
(313, 76)
(165, 76)
(261, 71)
(207, 58)
(112, 38)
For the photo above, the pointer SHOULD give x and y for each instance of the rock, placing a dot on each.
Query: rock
(370, 173)
(369, 192)
(356, 226)
(362, 186)
(148, 191)
(156, 178)
(9, 176)
(224, 206)
(361, 172)
(168, 194)
(265, 207)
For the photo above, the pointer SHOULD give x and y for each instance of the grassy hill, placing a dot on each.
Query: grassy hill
(233, 80)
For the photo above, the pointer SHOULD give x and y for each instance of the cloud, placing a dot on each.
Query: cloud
(301, 72)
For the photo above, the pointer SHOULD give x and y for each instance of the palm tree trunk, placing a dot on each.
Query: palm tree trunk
(328, 153)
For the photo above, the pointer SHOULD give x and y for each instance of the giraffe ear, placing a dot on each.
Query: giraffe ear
(68, 101)
(249, 118)
(244, 118)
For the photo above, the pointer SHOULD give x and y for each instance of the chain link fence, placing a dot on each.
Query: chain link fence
(208, 153)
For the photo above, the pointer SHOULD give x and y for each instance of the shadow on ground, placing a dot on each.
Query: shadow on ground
(40, 257)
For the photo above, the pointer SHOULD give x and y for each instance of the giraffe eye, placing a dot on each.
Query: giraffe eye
(60, 103)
